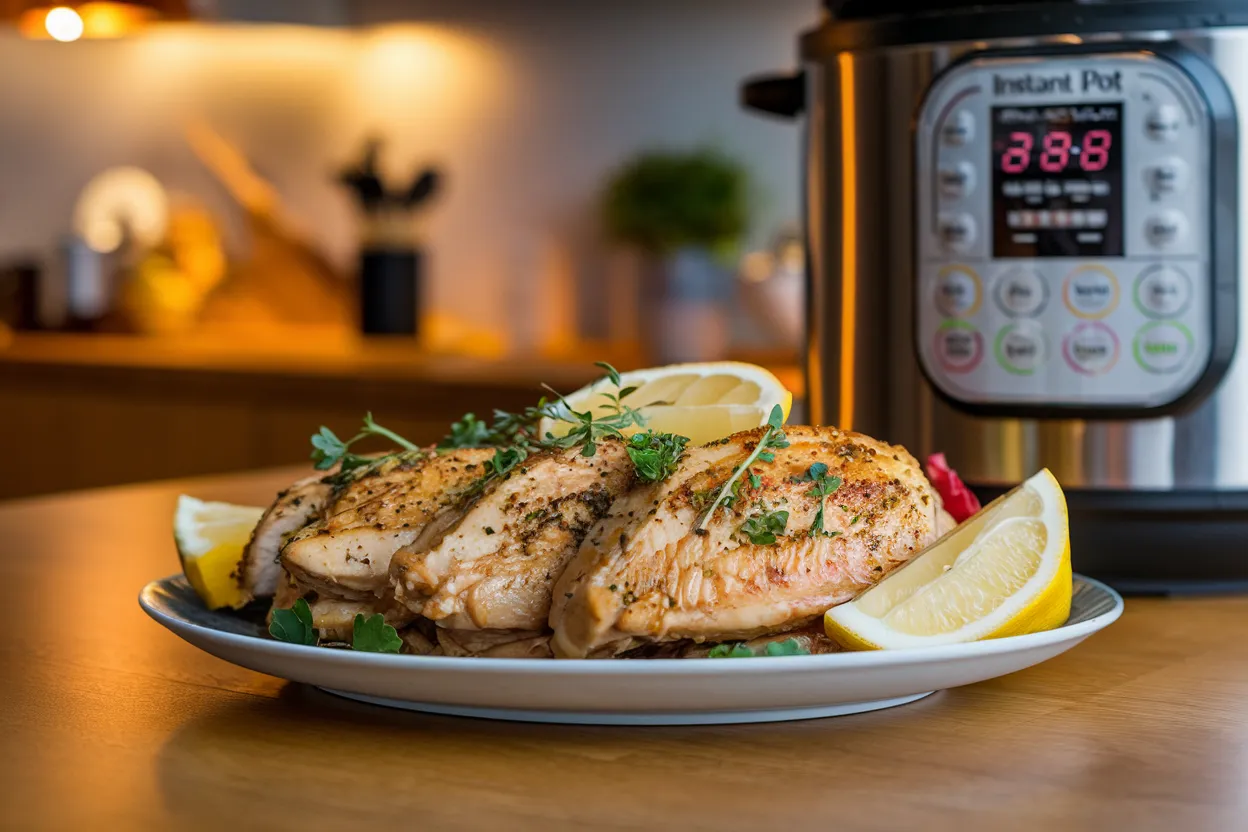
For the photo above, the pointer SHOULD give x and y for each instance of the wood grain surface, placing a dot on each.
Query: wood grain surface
(108, 722)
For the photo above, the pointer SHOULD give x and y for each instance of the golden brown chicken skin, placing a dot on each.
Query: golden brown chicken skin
(645, 574)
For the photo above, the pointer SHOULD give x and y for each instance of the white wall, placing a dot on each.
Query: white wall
(527, 106)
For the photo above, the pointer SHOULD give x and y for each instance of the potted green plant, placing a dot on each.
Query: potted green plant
(686, 213)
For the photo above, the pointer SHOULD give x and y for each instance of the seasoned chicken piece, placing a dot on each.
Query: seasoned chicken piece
(644, 574)
(494, 569)
(375, 511)
(258, 571)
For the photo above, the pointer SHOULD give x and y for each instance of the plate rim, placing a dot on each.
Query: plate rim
(848, 660)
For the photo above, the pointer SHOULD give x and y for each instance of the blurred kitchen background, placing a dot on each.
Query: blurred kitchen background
(224, 223)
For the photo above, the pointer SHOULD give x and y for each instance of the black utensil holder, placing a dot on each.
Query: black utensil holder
(390, 291)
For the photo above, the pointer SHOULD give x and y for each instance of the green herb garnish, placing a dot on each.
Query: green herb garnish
(823, 486)
(738, 650)
(788, 647)
(764, 529)
(374, 635)
(468, 432)
(294, 626)
(773, 438)
(656, 455)
(328, 450)
(730, 651)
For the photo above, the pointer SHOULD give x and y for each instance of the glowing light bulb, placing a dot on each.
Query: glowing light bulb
(63, 24)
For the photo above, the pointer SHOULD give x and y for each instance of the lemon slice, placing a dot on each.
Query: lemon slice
(210, 539)
(1004, 572)
(704, 402)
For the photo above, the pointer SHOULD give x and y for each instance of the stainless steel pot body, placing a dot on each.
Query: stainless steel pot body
(864, 370)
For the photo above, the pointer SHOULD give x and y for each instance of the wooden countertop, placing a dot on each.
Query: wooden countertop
(110, 722)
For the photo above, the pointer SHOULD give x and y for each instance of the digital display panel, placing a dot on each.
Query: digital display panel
(1057, 180)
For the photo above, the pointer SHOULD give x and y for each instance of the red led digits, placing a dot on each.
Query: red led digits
(1017, 157)
(1056, 152)
(1095, 155)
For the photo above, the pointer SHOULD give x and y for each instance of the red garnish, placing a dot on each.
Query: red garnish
(958, 499)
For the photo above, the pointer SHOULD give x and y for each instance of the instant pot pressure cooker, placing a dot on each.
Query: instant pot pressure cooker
(1023, 237)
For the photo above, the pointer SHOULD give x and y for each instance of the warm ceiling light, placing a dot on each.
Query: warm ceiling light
(92, 19)
(63, 24)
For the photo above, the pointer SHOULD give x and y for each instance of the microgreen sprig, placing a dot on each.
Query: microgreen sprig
(772, 439)
(823, 486)
(328, 450)
(738, 650)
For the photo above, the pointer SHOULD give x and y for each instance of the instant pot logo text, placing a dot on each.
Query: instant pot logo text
(1065, 83)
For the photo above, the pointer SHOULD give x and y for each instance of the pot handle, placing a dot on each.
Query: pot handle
(779, 95)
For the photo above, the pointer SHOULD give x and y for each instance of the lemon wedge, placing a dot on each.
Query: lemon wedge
(704, 402)
(210, 538)
(1004, 572)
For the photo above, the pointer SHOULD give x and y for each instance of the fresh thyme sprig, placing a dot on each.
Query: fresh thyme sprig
(823, 486)
(772, 439)
(587, 428)
(328, 450)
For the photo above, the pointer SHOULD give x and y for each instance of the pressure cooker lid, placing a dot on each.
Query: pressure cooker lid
(865, 24)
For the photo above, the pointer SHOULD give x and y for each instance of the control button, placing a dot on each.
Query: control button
(1096, 218)
(1099, 188)
(959, 129)
(1052, 189)
(957, 292)
(956, 181)
(1169, 176)
(1163, 122)
(959, 346)
(1090, 349)
(1163, 346)
(1012, 188)
(1021, 293)
(1021, 348)
(1091, 292)
(1165, 229)
(957, 231)
(1163, 292)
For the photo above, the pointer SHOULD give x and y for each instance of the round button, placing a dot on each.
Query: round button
(1163, 292)
(1168, 176)
(959, 129)
(1163, 122)
(957, 292)
(1166, 229)
(959, 346)
(1021, 347)
(956, 181)
(1090, 349)
(1091, 292)
(1021, 293)
(957, 231)
(1163, 346)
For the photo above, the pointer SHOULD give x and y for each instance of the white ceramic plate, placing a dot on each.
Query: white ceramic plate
(633, 692)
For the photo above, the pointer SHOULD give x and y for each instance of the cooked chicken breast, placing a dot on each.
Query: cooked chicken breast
(294, 508)
(373, 513)
(644, 574)
(495, 567)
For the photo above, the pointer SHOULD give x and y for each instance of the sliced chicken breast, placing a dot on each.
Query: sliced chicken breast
(494, 569)
(259, 571)
(646, 574)
(376, 511)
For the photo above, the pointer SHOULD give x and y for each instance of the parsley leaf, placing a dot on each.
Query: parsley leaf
(730, 651)
(788, 647)
(823, 486)
(294, 626)
(468, 432)
(737, 650)
(374, 635)
(655, 455)
(764, 529)
(773, 437)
